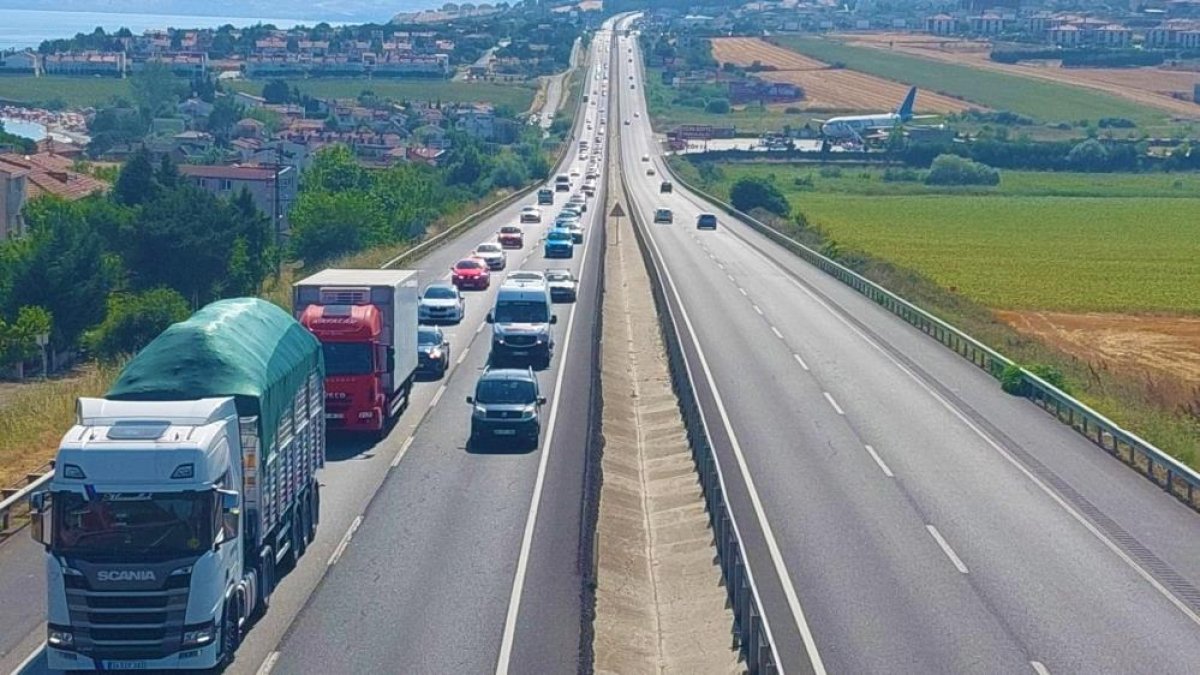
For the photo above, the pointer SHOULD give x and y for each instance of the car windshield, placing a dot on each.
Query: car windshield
(505, 391)
(347, 358)
(429, 336)
(143, 523)
(510, 229)
(558, 235)
(440, 293)
(467, 265)
(521, 311)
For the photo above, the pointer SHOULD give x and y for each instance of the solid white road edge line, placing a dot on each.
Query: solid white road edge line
(937, 536)
(1039, 668)
(268, 664)
(41, 649)
(836, 408)
(341, 547)
(785, 579)
(403, 451)
(879, 460)
(514, 600)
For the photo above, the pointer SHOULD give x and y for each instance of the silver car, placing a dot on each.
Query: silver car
(493, 254)
(563, 285)
(439, 303)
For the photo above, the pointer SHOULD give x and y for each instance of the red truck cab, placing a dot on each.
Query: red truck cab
(355, 356)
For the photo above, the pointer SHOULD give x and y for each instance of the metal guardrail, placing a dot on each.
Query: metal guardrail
(1152, 462)
(750, 627)
(16, 500)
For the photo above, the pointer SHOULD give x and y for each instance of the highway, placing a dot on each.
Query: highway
(417, 553)
(901, 513)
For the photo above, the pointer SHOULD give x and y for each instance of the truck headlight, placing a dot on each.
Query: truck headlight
(198, 635)
(529, 412)
(59, 637)
(480, 411)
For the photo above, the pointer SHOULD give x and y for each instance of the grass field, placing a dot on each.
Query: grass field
(665, 115)
(75, 92)
(1039, 241)
(1041, 100)
(516, 96)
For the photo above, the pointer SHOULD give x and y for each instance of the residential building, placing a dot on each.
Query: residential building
(1190, 39)
(273, 188)
(12, 200)
(85, 63)
(1066, 36)
(195, 111)
(988, 24)
(941, 24)
(1113, 35)
(21, 62)
(249, 100)
(183, 64)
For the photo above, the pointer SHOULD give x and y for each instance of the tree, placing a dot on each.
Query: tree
(326, 225)
(253, 256)
(717, 106)
(752, 193)
(334, 170)
(155, 89)
(225, 113)
(134, 319)
(276, 91)
(18, 340)
(168, 174)
(508, 172)
(61, 267)
(955, 170)
(1090, 155)
(136, 184)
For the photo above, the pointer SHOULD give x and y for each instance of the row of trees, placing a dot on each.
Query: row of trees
(110, 271)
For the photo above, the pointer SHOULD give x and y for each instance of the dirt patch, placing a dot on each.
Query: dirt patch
(825, 87)
(1159, 348)
(1156, 87)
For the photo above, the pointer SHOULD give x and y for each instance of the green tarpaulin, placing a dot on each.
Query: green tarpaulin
(245, 347)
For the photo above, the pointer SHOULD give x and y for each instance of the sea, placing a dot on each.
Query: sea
(21, 28)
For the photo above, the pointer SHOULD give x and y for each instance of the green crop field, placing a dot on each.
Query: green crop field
(1043, 101)
(71, 91)
(1041, 241)
(516, 96)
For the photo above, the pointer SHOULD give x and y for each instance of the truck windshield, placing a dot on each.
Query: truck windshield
(347, 358)
(115, 523)
(521, 311)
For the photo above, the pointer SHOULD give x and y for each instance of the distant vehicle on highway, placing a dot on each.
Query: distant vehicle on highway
(545, 196)
(521, 320)
(645, 158)
(531, 214)
(441, 302)
(562, 183)
(562, 283)
(433, 352)
(507, 404)
(527, 275)
(664, 216)
(666, 187)
(650, 171)
(511, 236)
(559, 244)
(471, 273)
(706, 221)
(493, 254)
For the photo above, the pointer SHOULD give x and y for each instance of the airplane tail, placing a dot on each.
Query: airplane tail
(905, 111)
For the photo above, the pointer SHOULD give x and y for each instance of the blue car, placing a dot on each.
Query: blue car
(559, 244)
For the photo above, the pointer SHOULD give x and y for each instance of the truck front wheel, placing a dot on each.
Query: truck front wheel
(231, 632)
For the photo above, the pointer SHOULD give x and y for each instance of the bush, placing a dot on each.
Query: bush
(717, 106)
(955, 170)
(1116, 123)
(133, 320)
(1090, 155)
(1012, 380)
(756, 193)
(792, 110)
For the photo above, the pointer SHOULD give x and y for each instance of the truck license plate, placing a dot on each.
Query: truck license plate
(520, 352)
(125, 665)
(505, 432)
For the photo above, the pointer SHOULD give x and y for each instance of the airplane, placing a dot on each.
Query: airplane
(852, 126)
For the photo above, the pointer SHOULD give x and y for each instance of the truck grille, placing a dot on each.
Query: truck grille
(520, 340)
(121, 625)
(504, 414)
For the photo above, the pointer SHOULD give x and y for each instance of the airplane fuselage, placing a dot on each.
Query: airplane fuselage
(852, 126)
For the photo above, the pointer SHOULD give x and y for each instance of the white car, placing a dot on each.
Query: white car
(579, 201)
(526, 276)
(531, 214)
(575, 172)
(645, 158)
(440, 302)
(492, 253)
(637, 114)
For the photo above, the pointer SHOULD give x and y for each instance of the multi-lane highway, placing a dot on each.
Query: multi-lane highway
(901, 513)
(430, 557)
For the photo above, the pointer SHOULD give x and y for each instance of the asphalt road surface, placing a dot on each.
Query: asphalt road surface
(901, 513)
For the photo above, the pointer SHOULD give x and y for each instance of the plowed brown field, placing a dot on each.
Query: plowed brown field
(826, 88)
(1148, 86)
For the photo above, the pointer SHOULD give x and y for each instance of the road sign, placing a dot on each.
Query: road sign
(617, 211)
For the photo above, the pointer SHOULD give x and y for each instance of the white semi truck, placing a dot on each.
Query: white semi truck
(177, 497)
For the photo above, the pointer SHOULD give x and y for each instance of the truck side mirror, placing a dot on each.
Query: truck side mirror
(231, 517)
(40, 527)
(541, 400)
(490, 318)
(553, 318)
(471, 399)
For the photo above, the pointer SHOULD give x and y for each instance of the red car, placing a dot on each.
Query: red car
(470, 273)
(511, 236)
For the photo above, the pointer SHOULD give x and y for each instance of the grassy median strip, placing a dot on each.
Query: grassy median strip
(660, 606)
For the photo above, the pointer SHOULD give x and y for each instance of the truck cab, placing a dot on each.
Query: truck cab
(521, 320)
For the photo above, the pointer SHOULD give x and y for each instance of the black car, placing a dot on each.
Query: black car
(433, 352)
(507, 404)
